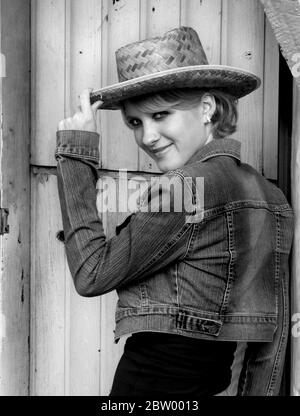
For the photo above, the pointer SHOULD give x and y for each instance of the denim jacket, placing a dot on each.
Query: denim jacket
(216, 269)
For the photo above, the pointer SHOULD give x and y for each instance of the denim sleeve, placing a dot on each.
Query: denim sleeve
(149, 242)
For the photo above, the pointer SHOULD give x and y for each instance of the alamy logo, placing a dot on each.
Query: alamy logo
(155, 194)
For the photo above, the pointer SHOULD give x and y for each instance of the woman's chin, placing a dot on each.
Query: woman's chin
(166, 165)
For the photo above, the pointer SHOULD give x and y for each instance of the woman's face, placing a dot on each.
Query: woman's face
(171, 136)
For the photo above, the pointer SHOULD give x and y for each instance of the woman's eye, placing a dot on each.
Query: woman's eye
(160, 115)
(133, 122)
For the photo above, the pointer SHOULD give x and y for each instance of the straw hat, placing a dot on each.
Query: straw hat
(174, 60)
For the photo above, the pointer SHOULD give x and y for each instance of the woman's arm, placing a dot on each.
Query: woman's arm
(149, 242)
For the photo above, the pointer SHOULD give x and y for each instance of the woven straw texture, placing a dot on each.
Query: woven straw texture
(174, 60)
(177, 48)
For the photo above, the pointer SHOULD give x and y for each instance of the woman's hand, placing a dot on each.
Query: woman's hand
(85, 119)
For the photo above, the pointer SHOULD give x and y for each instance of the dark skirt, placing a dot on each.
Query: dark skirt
(167, 364)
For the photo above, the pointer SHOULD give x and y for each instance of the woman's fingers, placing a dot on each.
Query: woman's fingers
(85, 103)
(61, 125)
(85, 118)
(96, 105)
(65, 124)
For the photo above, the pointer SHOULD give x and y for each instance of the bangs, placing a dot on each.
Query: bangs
(153, 103)
(181, 99)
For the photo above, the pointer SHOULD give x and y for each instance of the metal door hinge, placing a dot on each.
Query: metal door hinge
(4, 227)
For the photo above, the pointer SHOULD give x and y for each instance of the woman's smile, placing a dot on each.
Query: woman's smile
(161, 151)
(169, 136)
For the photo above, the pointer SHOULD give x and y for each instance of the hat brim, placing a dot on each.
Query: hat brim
(234, 81)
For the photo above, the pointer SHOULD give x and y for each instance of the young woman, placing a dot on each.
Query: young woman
(201, 264)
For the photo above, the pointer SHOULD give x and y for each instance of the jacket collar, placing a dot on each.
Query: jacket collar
(217, 147)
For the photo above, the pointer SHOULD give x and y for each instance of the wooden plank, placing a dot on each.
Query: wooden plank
(83, 49)
(243, 46)
(48, 77)
(82, 343)
(47, 291)
(83, 63)
(15, 195)
(205, 17)
(153, 16)
(271, 95)
(295, 289)
(153, 23)
(120, 25)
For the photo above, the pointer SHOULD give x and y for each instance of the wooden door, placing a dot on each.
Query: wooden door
(73, 44)
(14, 196)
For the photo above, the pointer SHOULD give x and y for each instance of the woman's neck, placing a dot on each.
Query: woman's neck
(209, 139)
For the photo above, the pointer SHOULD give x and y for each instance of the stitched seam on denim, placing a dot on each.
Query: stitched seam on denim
(229, 221)
(231, 147)
(180, 173)
(236, 205)
(252, 315)
(76, 156)
(166, 247)
(135, 312)
(177, 284)
(277, 260)
(211, 155)
(191, 240)
(274, 374)
(76, 149)
(75, 137)
(164, 308)
(144, 295)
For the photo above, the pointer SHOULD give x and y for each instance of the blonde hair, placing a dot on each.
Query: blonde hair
(224, 119)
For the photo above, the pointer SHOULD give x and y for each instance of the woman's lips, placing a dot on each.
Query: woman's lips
(161, 150)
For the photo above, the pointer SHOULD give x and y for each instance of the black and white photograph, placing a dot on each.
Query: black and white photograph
(150, 201)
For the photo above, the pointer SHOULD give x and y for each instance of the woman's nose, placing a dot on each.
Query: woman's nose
(151, 135)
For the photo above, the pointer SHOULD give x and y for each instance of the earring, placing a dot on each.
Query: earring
(208, 120)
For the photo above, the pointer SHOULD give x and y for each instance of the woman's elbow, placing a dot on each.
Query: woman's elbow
(86, 286)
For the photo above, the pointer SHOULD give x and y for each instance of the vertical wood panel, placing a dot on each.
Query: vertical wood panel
(83, 66)
(65, 327)
(83, 348)
(243, 47)
(120, 25)
(271, 95)
(15, 196)
(48, 77)
(159, 16)
(47, 291)
(205, 17)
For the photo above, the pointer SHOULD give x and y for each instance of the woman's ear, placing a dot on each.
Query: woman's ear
(208, 107)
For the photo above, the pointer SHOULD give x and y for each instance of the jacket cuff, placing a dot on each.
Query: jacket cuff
(77, 144)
